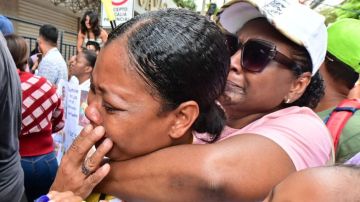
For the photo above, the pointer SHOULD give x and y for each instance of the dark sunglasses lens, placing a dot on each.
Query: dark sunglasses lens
(232, 44)
(255, 56)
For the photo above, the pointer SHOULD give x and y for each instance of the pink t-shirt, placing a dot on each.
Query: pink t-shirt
(297, 130)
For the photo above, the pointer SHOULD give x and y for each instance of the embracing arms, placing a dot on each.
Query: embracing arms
(241, 168)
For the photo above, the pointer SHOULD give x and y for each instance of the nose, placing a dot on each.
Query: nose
(235, 64)
(92, 111)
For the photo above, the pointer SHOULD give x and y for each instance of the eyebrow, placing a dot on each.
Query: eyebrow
(103, 90)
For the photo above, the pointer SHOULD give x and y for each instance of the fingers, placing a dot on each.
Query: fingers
(85, 140)
(74, 171)
(95, 160)
(67, 196)
(93, 180)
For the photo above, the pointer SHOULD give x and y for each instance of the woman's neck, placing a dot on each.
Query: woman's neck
(238, 121)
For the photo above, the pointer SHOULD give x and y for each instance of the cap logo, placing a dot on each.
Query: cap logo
(275, 7)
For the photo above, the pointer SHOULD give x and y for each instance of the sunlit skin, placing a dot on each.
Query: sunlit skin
(242, 100)
(121, 102)
(318, 184)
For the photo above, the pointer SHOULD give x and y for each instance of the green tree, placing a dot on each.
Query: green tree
(348, 9)
(330, 15)
(189, 4)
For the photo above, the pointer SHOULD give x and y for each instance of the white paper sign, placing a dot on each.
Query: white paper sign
(75, 102)
(123, 10)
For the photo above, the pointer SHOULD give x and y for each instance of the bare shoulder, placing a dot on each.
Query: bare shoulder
(81, 35)
(103, 32)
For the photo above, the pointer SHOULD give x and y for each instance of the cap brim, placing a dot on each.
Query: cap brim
(237, 15)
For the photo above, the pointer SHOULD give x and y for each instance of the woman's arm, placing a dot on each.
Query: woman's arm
(241, 168)
(80, 41)
(103, 35)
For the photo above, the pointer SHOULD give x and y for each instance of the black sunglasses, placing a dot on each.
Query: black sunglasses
(256, 53)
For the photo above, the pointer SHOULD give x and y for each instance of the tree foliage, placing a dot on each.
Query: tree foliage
(348, 9)
(188, 4)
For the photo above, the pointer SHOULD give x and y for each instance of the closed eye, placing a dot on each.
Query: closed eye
(110, 109)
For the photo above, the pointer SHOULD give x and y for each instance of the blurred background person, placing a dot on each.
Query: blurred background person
(42, 114)
(340, 72)
(52, 66)
(94, 46)
(11, 174)
(6, 26)
(82, 67)
(34, 59)
(90, 30)
(70, 63)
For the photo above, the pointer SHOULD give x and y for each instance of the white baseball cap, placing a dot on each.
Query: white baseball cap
(294, 20)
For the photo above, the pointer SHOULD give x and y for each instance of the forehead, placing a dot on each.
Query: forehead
(262, 29)
(113, 59)
(113, 66)
(79, 55)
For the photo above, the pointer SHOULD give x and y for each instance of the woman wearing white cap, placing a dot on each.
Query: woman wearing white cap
(271, 131)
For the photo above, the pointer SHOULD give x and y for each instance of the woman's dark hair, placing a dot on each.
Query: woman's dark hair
(315, 90)
(90, 57)
(18, 49)
(94, 23)
(182, 56)
(340, 72)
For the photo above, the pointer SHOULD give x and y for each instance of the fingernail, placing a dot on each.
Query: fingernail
(99, 130)
(107, 142)
(88, 128)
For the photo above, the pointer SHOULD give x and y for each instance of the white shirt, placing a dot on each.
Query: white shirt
(85, 85)
(53, 66)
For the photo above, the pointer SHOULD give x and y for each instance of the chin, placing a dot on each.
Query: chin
(116, 155)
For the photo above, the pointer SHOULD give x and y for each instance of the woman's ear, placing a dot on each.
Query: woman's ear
(88, 69)
(185, 115)
(298, 87)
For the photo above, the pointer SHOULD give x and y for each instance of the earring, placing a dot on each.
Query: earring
(287, 101)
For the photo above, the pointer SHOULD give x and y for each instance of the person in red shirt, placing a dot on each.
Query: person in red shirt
(42, 115)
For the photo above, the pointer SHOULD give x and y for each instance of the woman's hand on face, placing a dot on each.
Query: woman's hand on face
(77, 173)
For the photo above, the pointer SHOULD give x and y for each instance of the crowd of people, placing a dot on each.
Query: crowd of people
(42, 109)
(256, 106)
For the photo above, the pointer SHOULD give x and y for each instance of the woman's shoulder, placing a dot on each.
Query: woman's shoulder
(300, 132)
(103, 31)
